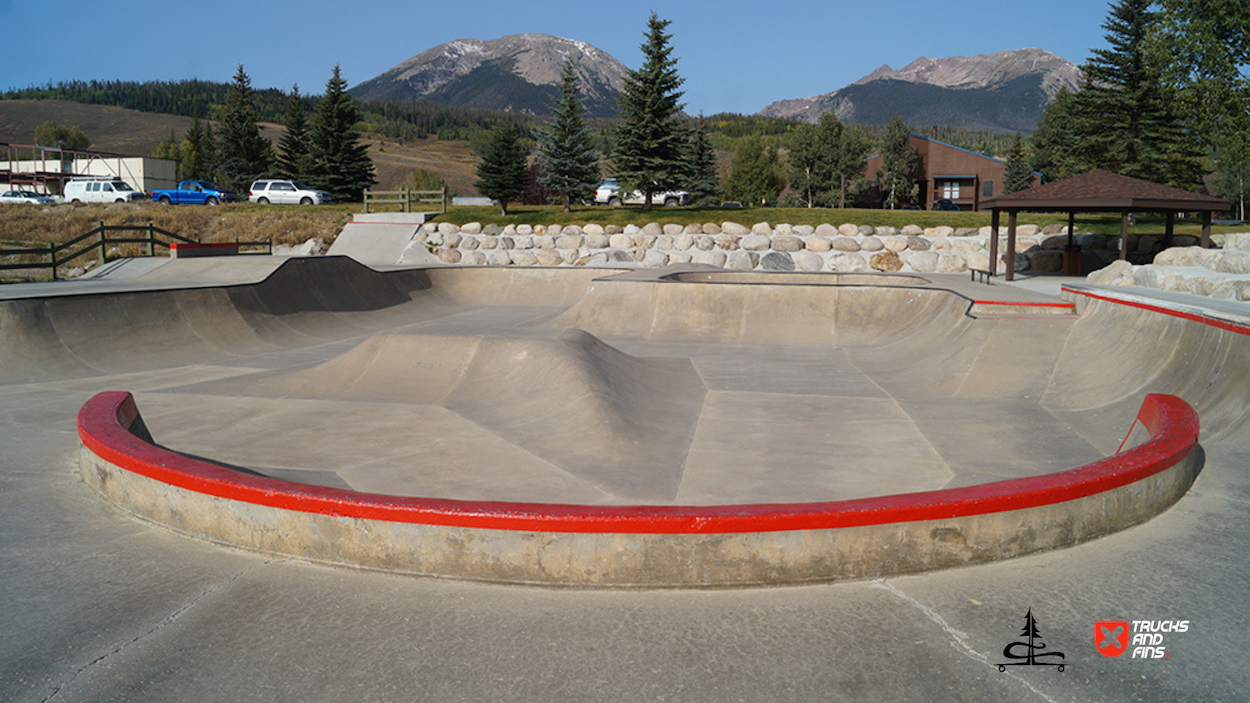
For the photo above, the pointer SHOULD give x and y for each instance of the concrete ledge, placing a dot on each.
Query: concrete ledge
(643, 546)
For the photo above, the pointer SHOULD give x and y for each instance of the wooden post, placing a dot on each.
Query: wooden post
(994, 242)
(100, 246)
(1206, 229)
(151, 239)
(1124, 236)
(52, 258)
(1170, 229)
(1071, 227)
(1011, 244)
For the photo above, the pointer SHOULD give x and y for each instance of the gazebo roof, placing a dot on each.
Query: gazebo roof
(1103, 190)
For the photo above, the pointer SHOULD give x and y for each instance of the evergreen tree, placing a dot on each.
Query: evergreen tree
(193, 153)
(242, 154)
(1053, 144)
(703, 180)
(568, 163)
(755, 175)
(341, 164)
(897, 177)
(651, 141)
(294, 156)
(1016, 177)
(503, 173)
(207, 166)
(1126, 118)
(823, 158)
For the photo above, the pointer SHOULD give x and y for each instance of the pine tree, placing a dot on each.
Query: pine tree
(755, 175)
(1053, 144)
(899, 165)
(294, 156)
(568, 163)
(650, 147)
(703, 181)
(1017, 175)
(341, 164)
(1126, 118)
(242, 154)
(503, 173)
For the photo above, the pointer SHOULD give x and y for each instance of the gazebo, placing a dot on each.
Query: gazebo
(1099, 191)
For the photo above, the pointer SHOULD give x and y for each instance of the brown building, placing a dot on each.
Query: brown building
(964, 177)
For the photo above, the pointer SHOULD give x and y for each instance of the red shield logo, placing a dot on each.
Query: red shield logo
(1111, 637)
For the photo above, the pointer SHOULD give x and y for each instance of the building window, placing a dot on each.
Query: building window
(950, 190)
(987, 189)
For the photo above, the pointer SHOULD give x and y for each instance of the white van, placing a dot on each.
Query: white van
(100, 190)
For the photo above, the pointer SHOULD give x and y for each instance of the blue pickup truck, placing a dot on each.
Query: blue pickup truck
(194, 193)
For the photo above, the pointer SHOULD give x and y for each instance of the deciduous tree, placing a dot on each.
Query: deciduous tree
(822, 159)
(900, 166)
(755, 174)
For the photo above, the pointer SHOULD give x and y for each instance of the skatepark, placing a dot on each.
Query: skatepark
(312, 476)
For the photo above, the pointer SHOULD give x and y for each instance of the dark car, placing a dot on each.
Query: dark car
(946, 204)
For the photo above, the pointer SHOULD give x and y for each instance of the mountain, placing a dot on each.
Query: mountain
(1005, 91)
(517, 73)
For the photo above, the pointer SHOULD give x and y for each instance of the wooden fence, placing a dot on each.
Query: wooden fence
(98, 240)
(405, 198)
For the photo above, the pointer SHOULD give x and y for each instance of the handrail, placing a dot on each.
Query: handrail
(405, 198)
(100, 233)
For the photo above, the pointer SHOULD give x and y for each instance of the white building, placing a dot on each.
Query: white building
(46, 169)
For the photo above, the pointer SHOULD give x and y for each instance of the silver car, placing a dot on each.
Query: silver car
(24, 196)
(286, 192)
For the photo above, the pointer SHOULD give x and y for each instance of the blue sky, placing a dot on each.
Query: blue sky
(735, 55)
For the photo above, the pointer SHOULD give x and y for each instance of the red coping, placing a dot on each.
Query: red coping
(1225, 325)
(202, 245)
(104, 424)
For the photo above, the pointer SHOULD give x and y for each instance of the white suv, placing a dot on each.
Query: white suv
(609, 193)
(286, 192)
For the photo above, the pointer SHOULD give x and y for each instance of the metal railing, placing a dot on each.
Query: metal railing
(405, 198)
(98, 240)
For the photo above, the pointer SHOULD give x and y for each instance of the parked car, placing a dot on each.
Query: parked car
(101, 190)
(194, 193)
(609, 193)
(24, 196)
(286, 192)
(946, 204)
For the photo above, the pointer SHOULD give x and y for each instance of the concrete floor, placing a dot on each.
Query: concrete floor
(99, 606)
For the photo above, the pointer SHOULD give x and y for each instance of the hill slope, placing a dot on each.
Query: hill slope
(516, 73)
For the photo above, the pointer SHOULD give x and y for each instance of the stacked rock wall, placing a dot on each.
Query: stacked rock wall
(1222, 273)
(783, 247)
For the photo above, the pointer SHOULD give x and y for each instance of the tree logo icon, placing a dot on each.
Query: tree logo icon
(1028, 652)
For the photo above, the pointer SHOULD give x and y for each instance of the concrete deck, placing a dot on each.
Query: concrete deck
(789, 410)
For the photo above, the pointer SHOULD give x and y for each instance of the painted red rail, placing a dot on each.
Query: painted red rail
(105, 428)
